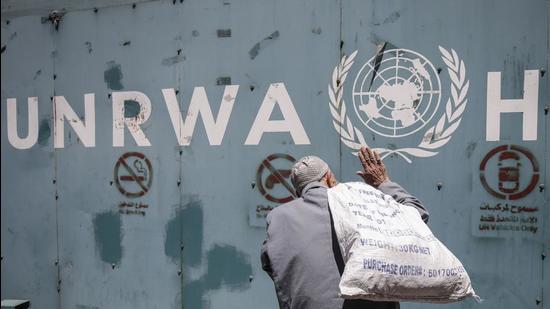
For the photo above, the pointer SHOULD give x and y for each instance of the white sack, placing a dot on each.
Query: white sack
(389, 252)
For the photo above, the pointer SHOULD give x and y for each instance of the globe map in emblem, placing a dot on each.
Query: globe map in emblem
(396, 93)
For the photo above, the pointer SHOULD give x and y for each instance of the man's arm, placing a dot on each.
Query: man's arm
(401, 196)
(266, 262)
(375, 174)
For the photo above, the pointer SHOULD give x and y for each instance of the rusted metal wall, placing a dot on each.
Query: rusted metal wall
(122, 205)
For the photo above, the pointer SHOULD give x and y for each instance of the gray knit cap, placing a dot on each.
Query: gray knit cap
(306, 170)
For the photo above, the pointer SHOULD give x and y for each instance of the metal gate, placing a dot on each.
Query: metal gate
(152, 137)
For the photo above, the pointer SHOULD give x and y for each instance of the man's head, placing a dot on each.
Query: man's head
(309, 169)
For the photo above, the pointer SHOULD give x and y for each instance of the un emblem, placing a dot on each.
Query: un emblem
(397, 93)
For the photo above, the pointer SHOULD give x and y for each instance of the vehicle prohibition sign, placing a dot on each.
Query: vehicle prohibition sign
(275, 176)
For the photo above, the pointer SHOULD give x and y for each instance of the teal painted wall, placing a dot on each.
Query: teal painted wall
(72, 239)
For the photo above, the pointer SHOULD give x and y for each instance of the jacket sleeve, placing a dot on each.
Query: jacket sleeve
(401, 196)
(266, 262)
(271, 248)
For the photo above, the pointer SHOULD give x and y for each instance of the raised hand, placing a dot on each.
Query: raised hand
(374, 171)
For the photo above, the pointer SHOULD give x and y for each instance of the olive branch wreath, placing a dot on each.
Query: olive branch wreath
(434, 138)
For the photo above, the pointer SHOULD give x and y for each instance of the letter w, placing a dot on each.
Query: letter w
(215, 129)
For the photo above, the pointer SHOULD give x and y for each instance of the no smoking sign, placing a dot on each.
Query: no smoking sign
(133, 174)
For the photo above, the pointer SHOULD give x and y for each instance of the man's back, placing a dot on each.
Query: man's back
(302, 256)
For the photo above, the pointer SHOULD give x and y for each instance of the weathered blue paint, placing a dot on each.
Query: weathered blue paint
(113, 75)
(185, 233)
(227, 268)
(44, 132)
(131, 109)
(108, 237)
(50, 197)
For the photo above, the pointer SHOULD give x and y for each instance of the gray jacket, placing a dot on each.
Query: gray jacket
(301, 252)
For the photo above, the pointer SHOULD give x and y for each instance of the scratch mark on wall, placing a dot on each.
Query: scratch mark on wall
(393, 17)
(255, 50)
(470, 149)
(173, 60)
(37, 74)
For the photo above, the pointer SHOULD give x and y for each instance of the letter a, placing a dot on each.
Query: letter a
(277, 94)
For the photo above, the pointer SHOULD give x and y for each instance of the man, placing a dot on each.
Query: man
(301, 252)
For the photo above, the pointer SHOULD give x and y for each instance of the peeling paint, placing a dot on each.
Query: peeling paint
(37, 74)
(228, 98)
(255, 50)
(108, 236)
(44, 132)
(113, 76)
(173, 60)
(186, 229)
